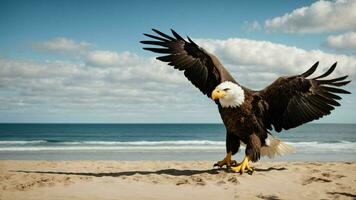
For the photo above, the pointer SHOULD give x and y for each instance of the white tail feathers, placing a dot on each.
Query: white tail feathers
(275, 147)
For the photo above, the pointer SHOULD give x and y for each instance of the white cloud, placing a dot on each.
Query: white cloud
(64, 86)
(269, 60)
(83, 50)
(124, 86)
(61, 44)
(321, 16)
(110, 58)
(343, 41)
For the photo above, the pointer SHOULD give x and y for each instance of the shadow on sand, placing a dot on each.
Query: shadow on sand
(173, 172)
(343, 194)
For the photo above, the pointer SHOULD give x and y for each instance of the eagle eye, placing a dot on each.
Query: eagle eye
(226, 89)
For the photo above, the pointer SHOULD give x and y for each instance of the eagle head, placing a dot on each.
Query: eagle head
(229, 94)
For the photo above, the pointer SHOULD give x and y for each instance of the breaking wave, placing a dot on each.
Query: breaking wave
(179, 145)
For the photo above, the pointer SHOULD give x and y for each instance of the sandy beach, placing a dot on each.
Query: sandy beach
(174, 180)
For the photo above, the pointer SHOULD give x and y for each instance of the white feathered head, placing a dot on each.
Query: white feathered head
(229, 94)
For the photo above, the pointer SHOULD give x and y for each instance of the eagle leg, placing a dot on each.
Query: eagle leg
(226, 161)
(242, 167)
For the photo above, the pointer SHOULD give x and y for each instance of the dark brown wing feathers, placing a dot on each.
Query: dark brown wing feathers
(201, 68)
(295, 100)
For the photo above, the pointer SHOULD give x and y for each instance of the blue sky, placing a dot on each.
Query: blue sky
(118, 25)
(80, 61)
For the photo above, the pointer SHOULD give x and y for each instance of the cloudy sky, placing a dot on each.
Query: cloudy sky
(81, 61)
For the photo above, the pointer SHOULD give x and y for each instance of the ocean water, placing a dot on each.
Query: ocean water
(325, 142)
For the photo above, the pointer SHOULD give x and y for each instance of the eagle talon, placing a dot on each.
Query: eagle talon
(221, 164)
(234, 163)
(243, 167)
(217, 165)
(226, 162)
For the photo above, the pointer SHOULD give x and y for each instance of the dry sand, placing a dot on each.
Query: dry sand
(174, 180)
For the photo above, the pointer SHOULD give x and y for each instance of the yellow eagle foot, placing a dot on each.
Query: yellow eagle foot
(226, 161)
(243, 167)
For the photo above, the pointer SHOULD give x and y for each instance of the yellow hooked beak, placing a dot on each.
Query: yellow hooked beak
(217, 94)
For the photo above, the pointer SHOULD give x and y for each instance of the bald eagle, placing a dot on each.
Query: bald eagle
(249, 115)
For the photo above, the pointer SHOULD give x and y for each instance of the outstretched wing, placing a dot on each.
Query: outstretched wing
(291, 101)
(200, 67)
